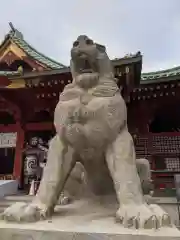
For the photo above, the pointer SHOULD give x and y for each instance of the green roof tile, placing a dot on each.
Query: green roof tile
(161, 74)
(18, 39)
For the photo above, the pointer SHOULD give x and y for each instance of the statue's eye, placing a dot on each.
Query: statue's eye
(89, 42)
(75, 44)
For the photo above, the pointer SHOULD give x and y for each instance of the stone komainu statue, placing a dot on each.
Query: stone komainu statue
(91, 124)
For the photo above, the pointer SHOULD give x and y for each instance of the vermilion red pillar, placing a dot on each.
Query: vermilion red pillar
(18, 153)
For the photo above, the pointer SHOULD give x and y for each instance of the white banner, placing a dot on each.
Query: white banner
(8, 140)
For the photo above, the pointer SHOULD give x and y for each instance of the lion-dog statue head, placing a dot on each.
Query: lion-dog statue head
(91, 67)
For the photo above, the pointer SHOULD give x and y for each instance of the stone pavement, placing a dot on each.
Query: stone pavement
(168, 203)
(82, 220)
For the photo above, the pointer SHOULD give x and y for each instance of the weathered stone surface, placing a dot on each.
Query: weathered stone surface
(83, 220)
(91, 124)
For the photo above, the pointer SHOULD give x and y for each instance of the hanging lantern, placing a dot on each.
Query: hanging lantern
(117, 71)
(127, 69)
(31, 164)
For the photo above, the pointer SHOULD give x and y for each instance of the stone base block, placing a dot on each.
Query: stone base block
(8, 187)
(82, 220)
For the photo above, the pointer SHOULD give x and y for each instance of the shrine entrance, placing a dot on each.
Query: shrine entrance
(7, 154)
(165, 148)
(167, 119)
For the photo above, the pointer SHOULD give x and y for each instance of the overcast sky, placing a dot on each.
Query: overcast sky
(124, 26)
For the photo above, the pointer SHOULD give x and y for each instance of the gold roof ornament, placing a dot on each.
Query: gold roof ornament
(20, 69)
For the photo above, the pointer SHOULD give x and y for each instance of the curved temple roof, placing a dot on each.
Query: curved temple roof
(161, 74)
(17, 37)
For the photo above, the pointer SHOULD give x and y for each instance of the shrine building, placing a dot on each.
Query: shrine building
(30, 84)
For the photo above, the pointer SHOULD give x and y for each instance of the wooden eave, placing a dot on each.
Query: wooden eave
(160, 80)
(36, 74)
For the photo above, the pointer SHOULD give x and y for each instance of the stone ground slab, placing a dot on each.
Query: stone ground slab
(82, 220)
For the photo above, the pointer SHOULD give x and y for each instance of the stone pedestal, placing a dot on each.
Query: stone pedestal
(82, 220)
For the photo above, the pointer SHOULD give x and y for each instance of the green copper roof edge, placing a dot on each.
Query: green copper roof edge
(59, 65)
(161, 74)
(44, 56)
(162, 71)
(17, 37)
(156, 81)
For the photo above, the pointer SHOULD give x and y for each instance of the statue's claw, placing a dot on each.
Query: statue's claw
(162, 216)
(142, 216)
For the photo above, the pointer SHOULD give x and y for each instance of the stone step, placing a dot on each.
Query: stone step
(9, 200)
(18, 198)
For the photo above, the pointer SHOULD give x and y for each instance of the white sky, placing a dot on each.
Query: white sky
(124, 26)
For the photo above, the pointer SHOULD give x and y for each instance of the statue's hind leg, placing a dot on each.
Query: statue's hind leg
(133, 210)
(59, 165)
(144, 172)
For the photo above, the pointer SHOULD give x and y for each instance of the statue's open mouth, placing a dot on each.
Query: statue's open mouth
(84, 66)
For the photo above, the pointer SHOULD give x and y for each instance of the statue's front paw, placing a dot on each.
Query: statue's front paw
(142, 216)
(23, 212)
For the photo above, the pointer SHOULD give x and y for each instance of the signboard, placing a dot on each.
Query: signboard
(177, 186)
(8, 140)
